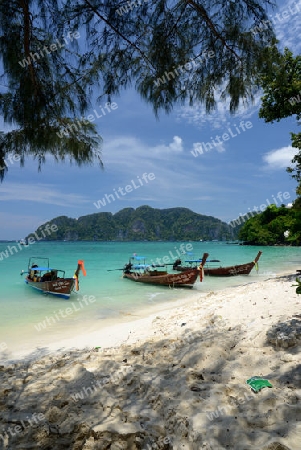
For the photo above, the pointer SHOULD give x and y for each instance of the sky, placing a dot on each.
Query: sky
(160, 163)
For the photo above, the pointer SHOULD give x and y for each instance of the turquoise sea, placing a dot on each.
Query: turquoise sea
(103, 293)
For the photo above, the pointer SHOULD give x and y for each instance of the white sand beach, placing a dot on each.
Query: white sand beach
(175, 379)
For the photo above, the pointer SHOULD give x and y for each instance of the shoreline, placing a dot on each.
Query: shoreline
(116, 330)
(175, 379)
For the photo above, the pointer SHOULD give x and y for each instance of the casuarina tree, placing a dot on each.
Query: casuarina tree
(57, 53)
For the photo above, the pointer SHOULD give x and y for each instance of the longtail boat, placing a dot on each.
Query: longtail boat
(147, 273)
(228, 271)
(51, 281)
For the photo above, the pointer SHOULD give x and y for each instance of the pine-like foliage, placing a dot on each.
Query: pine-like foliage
(171, 51)
(176, 50)
(42, 89)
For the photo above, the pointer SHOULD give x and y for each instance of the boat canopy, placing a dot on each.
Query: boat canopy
(193, 260)
(200, 260)
(42, 268)
(141, 266)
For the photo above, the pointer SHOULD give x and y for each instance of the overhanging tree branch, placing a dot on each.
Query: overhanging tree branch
(132, 44)
(210, 24)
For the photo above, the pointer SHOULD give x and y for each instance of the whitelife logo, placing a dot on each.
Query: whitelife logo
(200, 147)
(146, 177)
(55, 46)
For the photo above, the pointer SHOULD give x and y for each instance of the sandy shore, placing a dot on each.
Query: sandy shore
(173, 380)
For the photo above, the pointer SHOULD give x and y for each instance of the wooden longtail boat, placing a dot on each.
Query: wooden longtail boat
(239, 269)
(144, 273)
(51, 281)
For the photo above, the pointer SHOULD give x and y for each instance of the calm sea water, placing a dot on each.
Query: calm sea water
(107, 294)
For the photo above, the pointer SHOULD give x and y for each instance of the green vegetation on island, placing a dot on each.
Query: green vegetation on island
(143, 223)
(274, 226)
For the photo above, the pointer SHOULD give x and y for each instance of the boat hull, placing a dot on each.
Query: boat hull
(229, 271)
(242, 269)
(61, 287)
(182, 279)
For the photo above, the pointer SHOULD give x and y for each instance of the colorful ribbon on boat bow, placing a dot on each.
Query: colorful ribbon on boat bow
(80, 266)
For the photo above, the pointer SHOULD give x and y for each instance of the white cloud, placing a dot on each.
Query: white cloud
(176, 144)
(221, 117)
(139, 153)
(115, 149)
(127, 157)
(286, 21)
(220, 148)
(39, 193)
(131, 156)
(200, 148)
(280, 158)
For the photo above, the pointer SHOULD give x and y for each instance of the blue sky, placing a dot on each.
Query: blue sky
(245, 171)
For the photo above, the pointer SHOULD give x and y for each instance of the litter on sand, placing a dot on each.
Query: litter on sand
(258, 383)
